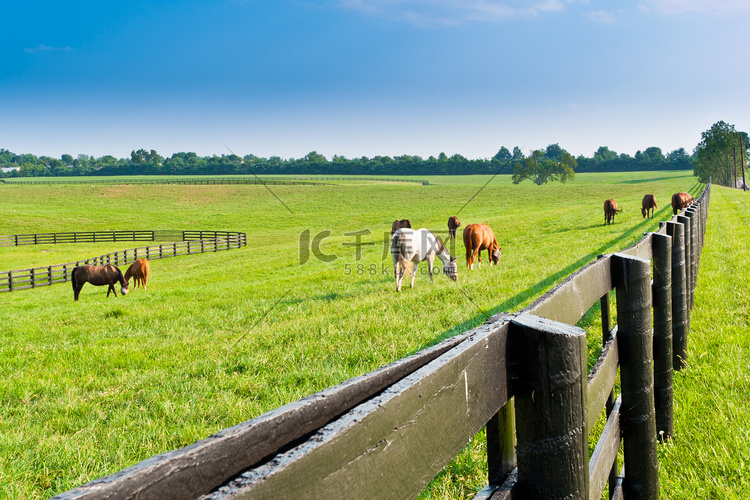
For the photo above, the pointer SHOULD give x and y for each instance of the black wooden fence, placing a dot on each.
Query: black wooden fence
(190, 242)
(523, 376)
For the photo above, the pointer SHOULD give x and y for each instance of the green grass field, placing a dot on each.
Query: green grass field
(89, 388)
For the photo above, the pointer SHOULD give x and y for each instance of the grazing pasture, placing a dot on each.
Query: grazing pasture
(221, 338)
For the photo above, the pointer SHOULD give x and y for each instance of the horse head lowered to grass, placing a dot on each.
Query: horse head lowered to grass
(139, 271)
(408, 245)
(98, 276)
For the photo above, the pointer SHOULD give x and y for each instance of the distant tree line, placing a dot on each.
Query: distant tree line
(721, 155)
(149, 162)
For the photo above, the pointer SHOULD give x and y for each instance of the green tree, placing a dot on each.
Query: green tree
(714, 155)
(541, 169)
(503, 155)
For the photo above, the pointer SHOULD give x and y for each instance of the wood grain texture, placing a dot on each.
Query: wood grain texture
(569, 301)
(605, 453)
(394, 444)
(601, 380)
(548, 366)
(205, 465)
(632, 278)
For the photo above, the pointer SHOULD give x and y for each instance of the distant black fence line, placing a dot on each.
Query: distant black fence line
(190, 242)
(524, 376)
(276, 180)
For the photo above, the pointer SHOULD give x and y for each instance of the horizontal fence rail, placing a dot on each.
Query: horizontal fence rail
(190, 242)
(523, 376)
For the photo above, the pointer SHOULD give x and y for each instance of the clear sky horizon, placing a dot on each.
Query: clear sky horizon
(369, 77)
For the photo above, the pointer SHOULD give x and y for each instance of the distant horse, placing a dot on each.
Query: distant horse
(98, 276)
(648, 204)
(478, 237)
(610, 210)
(408, 245)
(139, 271)
(453, 224)
(398, 224)
(680, 201)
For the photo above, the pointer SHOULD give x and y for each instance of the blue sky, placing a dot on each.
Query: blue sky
(369, 77)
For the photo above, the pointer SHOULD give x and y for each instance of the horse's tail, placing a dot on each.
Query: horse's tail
(73, 278)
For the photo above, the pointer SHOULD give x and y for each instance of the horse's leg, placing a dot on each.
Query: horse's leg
(414, 273)
(479, 258)
(398, 273)
(111, 289)
(430, 262)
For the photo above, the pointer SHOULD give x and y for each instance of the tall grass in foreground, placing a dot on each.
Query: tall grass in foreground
(90, 387)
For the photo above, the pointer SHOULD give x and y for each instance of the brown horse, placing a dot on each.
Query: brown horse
(478, 237)
(398, 224)
(610, 210)
(139, 271)
(98, 275)
(453, 224)
(648, 204)
(680, 201)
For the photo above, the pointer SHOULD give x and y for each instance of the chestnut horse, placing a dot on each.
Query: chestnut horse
(398, 224)
(610, 210)
(648, 204)
(680, 201)
(478, 237)
(453, 224)
(408, 245)
(139, 271)
(98, 276)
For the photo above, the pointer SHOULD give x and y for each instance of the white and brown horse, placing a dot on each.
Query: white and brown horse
(98, 276)
(139, 271)
(408, 245)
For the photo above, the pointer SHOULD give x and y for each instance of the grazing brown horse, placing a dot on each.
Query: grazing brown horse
(610, 210)
(648, 204)
(98, 276)
(398, 224)
(680, 201)
(453, 224)
(139, 271)
(478, 237)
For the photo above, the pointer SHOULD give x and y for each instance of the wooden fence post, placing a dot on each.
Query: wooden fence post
(549, 385)
(662, 296)
(631, 277)
(501, 452)
(685, 221)
(693, 216)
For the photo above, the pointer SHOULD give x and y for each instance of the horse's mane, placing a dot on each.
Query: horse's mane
(440, 247)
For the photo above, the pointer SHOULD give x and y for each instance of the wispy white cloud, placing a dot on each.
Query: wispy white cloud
(602, 17)
(452, 12)
(46, 48)
(716, 7)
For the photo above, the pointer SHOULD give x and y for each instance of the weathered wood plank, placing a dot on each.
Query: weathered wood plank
(605, 453)
(394, 444)
(505, 491)
(207, 464)
(601, 380)
(568, 301)
(643, 249)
